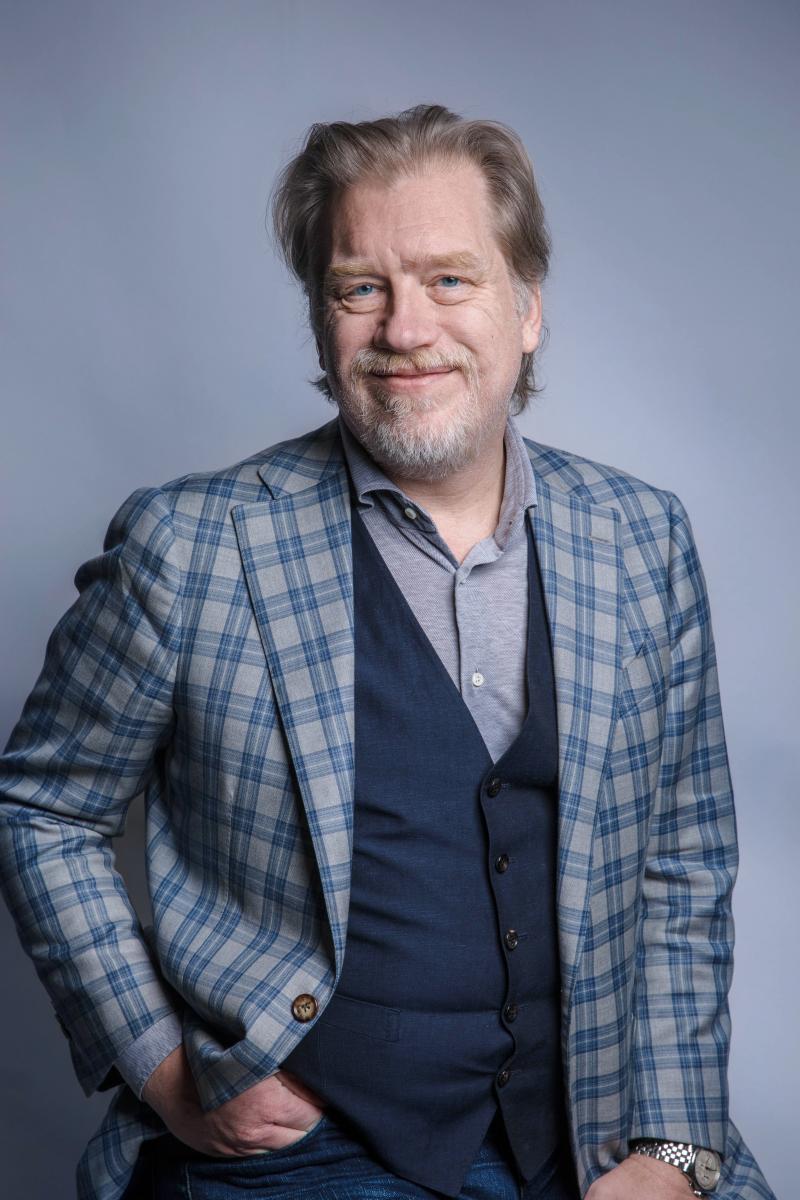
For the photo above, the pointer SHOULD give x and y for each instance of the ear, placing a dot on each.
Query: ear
(532, 320)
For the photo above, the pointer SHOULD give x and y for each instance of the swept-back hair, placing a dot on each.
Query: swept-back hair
(339, 154)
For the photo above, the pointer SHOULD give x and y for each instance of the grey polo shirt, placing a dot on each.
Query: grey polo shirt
(475, 614)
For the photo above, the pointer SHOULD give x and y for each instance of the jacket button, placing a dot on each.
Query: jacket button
(304, 1007)
(501, 863)
(503, 1077)
(493, 787)
(510, 1012)
(511, 939)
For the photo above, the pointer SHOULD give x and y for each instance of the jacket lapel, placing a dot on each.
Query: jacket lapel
(580, 561)
(297, 559)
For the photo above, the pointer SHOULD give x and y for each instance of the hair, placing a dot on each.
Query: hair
(338, 155)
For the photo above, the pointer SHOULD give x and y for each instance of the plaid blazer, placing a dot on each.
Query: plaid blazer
(208, 662)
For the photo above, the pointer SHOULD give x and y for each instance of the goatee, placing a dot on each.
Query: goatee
(385, 420)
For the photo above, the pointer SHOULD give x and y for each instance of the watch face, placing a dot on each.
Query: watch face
(706, 1168)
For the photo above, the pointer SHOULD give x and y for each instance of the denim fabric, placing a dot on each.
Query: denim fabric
(329, 1164)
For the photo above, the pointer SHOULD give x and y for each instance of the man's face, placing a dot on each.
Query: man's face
(424, 332)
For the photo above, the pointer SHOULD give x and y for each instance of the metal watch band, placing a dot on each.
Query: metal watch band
(678, 1154)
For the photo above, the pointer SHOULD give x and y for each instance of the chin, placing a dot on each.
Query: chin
(427, 436)
(419, 453)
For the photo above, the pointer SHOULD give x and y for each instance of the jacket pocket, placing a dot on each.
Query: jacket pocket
(362, 1017)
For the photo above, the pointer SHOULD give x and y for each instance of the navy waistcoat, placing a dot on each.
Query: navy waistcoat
(448, 1004)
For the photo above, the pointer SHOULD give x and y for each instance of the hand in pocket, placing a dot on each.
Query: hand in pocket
(270, 1115)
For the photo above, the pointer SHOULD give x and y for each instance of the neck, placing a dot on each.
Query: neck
(465, 505)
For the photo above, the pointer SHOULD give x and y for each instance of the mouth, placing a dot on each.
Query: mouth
(409, 378)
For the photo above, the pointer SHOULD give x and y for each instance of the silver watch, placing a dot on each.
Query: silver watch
(700, 1166)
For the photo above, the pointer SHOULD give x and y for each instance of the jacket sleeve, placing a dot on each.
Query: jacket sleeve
(93, 734)
(685, 942)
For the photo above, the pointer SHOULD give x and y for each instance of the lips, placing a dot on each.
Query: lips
(412, 375)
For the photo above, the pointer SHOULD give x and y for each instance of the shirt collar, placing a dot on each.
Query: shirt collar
(519, 492)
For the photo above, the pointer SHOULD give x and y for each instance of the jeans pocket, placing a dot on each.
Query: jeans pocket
(262, 1156)
(189, 1175)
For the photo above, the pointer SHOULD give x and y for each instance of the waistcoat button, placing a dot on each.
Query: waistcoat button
(493, 787)
(511, 939)
(501, 863)
(510, 1012)
(304, 1007)
(503, 1077)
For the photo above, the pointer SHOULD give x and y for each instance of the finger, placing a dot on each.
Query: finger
(293, 1112)
(277, 1101)
(271, 1137)
(281, 1136)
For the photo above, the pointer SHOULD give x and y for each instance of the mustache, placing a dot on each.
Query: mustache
(376, 362)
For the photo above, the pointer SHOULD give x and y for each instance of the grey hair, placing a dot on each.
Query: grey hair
(339, 154)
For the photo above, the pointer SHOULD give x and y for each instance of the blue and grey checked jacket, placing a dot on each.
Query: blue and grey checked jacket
(208, 662)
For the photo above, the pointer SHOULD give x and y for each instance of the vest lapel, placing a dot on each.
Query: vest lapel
(580, 562)
(297, 560)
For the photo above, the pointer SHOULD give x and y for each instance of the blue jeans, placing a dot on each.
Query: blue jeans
(329, 1164)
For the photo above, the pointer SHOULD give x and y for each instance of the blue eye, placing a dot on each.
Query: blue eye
(363, 289)
(449, 280)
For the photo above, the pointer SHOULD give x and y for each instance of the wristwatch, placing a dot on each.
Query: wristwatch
(700, 1166)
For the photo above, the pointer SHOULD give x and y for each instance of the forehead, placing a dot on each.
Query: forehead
(420, 214)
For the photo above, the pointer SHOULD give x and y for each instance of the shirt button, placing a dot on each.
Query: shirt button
(501, 863)
(493, 787)
(511, 939)
(304, 1007)
(510, 1012)
(503, 1077)
(478, 679)
(410, 512)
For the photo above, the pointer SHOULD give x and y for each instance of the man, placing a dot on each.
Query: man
(440, 830)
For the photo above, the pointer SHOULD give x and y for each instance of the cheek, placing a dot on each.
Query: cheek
(472, 331)
(497, 351)
(485, 328)
(346, 335)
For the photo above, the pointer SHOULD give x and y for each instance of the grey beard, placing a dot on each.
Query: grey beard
(377, 422)
(423, 456)
(421, 461)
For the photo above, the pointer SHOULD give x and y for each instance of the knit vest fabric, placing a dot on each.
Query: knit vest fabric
(447, 1008)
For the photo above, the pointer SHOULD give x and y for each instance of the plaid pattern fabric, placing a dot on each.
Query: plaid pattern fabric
(155, 680)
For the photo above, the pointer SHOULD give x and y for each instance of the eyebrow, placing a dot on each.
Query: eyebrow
(454, 258)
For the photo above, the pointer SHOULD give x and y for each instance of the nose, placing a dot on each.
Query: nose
(409, 320)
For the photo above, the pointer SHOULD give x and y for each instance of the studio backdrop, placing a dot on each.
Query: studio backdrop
(149, 330)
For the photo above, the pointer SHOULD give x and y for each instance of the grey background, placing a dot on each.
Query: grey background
(148, 330)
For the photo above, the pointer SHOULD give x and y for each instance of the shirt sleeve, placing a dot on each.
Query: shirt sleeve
(138, 1060)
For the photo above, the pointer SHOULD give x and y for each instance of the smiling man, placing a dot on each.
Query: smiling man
(424, 333)
(441, 838)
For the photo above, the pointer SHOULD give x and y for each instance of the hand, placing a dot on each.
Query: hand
(268, 1116)
(641, 1178)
